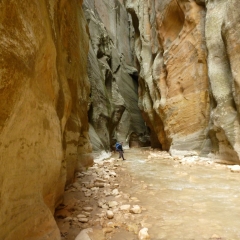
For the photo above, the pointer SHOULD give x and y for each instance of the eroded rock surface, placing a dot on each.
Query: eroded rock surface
(182, 57)
(43, 122)
(170, 48)
(114, 111)
(222, 37)
(188, 82)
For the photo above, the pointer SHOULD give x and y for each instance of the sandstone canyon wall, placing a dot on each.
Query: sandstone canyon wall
(114, 113)
(188, 75)
(43, 116)
(174, 90)
(222, 38)
(181, 56)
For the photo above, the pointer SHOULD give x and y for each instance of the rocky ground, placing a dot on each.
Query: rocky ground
(106, 201)
(96, 206)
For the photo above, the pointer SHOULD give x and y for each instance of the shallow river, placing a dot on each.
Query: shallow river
(185, 201)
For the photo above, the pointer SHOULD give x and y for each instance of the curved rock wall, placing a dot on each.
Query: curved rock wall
(222, 37)
(171, 51)
(114, 113)
(43, 122)
(181, 56)
(188, 57)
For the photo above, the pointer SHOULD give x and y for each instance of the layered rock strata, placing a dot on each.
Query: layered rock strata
(114, 113)
(43, 122)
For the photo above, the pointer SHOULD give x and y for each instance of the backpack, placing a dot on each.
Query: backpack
(117, 145)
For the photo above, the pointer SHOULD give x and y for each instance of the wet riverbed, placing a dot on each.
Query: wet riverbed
(185, 201)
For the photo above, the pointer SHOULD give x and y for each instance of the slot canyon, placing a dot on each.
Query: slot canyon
(160, 76)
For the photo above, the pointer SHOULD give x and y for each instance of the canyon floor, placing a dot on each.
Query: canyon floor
(152, 195)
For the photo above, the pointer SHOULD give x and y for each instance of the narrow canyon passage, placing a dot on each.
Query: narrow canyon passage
(179, 198)
(78, 76)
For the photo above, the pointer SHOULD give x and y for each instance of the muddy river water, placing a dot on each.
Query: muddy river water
(185, 201)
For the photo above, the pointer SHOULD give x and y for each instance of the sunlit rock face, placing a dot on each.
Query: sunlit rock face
(114, 113)
(223, 43)
(44, 96)
(174, 90)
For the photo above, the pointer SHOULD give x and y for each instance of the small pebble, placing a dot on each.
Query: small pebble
(83, 220)
(112, 204)
(115, 192)
(143, 234)
(87, 209)
(136, 209)
(110, 214)
(125, 207)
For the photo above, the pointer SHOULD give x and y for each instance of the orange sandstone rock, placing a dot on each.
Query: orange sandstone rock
(43, 122)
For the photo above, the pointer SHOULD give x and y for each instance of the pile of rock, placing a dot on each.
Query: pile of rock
(95, 200)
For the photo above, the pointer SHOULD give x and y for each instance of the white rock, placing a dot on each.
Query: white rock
(87, 209)
(83, 220)
(107, 185)
(135, 209)
(106, 177)
(83, 235)
(115, 192)
(143, 234)
(110, 214)
(234, 168)
(101, 202)
(125, 207)
(112, 204)
(112, 174)
(107, 192)
(105, 206)
(81, 216)
(86, 213)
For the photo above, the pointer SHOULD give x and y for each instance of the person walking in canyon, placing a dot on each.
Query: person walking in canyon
(119, 149)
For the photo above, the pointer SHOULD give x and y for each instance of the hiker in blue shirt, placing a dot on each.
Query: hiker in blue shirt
(119, 149)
